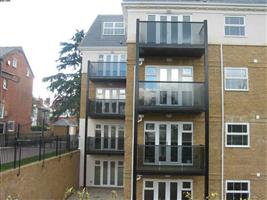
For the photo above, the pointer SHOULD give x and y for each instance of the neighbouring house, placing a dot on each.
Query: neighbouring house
(16, 83)
(65, 126)
(174, 100)
(41, 112)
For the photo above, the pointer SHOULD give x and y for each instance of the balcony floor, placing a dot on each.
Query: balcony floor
(170, 170)
(171, 50)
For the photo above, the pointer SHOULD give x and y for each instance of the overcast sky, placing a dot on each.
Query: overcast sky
(40, 25)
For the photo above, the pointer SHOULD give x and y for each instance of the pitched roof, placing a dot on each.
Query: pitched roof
(95, 38)
(6, 50)
(206, 1)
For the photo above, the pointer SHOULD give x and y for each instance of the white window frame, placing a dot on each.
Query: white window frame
(11, 130)
(14, 62)
(113, 28)
(5, 84)
(237, 191)
(117, 165)
(226, 134)
(2, 106)
(167, 182)
(235, 68)
(235, 25)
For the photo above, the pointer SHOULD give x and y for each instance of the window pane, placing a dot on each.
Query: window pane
(173, 191)
(97, 175)
(186, 195)
(108, 31)
(120, 176)
(150, 126)
(149, 184)
(163, 97)
(149, 195)
(105, 173)
(119, 25)
(161, 191)
(108, 24)
(186, 184)
(230, 186)
(236, 84)
(119, 31)
(112, 173)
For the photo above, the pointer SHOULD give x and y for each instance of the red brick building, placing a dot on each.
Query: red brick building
(16, 82)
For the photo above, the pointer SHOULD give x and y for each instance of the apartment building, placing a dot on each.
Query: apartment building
(16, 82)
(195, 111)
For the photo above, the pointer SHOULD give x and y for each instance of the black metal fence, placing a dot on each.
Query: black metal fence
(18, 151)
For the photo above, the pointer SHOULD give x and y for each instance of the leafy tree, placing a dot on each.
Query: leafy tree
(66, 84)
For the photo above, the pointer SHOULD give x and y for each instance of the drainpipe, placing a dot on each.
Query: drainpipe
(222, 110)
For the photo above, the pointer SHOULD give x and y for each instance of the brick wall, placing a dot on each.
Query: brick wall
(35, 181)
(18, 97)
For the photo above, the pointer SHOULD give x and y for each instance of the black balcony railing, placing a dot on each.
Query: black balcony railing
(107, 71)
(171, 159)
(105, 145)
(173, 35)
(171, 96)
(108, 108)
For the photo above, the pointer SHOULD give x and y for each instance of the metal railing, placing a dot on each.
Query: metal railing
(107, 70)
(17, 151)
(107, 106)
(106, 145)
(171, 94)
(171, 158)
(171, 33)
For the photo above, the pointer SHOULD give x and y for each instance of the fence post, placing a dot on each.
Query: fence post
(19, 158)
(18, 131)
(43, 151)
(15, 152)
(68, 138)
(40, 148)
(56, 145)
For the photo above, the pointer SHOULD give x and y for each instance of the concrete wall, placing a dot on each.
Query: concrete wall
(42, 182)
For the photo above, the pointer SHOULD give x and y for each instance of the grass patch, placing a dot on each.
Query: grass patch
(25, 161)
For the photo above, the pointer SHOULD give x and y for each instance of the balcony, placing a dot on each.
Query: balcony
(107, 108)
(170, 160)
(171, 97)
(108, 71)
(105, 145)
(171, 38)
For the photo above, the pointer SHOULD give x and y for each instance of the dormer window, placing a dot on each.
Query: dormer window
(113, 28)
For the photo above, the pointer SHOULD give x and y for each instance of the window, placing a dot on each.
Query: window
(236, 79)
(113, 28)
(236, 190)
(11, 126)
(2, 127)
(237, 134)
(2, 111)
(28, 72)
(4, 84)
(14, 62)
(234, 26)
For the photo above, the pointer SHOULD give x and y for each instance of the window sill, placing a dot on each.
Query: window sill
(234, 90)
(237, 147)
